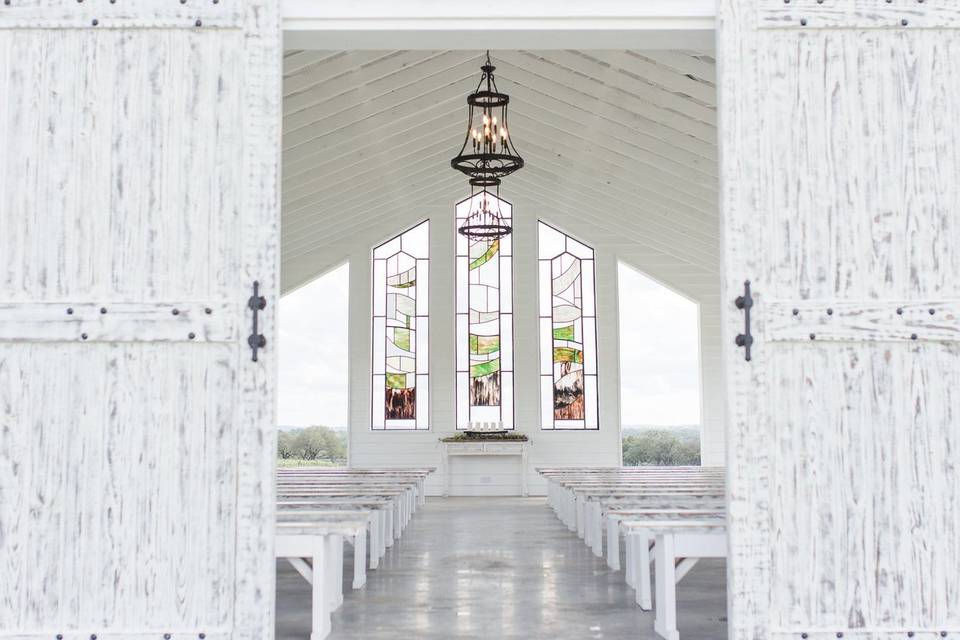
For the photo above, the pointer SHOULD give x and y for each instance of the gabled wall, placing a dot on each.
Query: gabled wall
(548, 448)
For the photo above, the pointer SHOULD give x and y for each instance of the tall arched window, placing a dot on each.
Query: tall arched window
(484, 324)
(568, 332)
(399, 389)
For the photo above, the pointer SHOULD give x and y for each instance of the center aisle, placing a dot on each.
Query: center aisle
(491, 569)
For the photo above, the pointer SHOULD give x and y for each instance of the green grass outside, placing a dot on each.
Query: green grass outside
(298, 462)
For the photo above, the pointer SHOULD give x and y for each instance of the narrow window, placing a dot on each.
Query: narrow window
(568, 332)
(399, 390)
(484, 324)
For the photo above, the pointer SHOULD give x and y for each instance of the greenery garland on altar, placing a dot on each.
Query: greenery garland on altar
(476, 437)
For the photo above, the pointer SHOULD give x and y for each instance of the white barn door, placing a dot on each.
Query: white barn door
(138, 204)
(841, 203)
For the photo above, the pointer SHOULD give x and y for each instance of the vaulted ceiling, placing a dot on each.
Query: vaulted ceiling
(625, 140)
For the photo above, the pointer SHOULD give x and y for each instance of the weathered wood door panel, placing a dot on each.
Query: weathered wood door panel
(138, 203)
(840, 203)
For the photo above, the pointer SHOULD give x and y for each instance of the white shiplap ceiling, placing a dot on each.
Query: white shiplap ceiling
(625, 140)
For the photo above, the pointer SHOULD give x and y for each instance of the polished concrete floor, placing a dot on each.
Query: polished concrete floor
(491, 569)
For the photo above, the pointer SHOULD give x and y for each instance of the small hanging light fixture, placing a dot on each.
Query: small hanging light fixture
(487, 153)
(485, 221)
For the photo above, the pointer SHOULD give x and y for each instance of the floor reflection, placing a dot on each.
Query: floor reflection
(496, 568)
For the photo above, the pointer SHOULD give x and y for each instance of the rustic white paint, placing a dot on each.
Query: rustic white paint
(839, 192)
(615, 157)
(139, 174)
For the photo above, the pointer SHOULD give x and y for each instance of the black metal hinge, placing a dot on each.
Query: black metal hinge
(745, 302)
(256, 303)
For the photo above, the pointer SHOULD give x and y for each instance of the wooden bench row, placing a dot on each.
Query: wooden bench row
(671, 515)
(318, 509)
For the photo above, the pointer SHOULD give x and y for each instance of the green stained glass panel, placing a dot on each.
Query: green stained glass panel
(401, 338)
(396, 380)
(486, 257)
(566, 354)
(563, 333)
(484, 368)
(483, 345)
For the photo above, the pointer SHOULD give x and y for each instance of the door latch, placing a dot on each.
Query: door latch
(745, 303)
(256, 303)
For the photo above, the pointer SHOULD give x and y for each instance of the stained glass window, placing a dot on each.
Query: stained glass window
(484, 324)
(399, 389)
(568, 332)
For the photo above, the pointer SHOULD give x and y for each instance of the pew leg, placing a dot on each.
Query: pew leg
(398, 521)
(665, 623)
(335, 573)
(360, 559)
(596, 523)
(375, 530)
(631, 573)
(642, 575)
(385, 532)
(321, 606)
(613, 543)
(391, 525)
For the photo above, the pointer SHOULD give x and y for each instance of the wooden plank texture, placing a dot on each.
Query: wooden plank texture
(839, 192)
(140, 176)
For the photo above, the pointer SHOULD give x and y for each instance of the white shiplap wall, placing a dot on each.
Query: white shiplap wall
(621, 154)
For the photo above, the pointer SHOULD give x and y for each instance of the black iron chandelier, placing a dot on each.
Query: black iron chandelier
(487, 153)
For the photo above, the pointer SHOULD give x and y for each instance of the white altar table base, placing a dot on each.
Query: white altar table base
(483, 448)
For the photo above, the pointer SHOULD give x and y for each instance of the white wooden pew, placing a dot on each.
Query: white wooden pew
(319, 508)
(681, 506)
(680, 543)
(315, 549)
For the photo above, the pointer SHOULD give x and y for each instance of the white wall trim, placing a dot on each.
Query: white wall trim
(503, 24)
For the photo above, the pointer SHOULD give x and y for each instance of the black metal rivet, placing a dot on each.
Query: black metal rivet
(103, 309)
(839, 634)
(7, 2)
(803, 22)
(208, 310)
(93, 636)
(943, 634)
(819, 1)
(59, 636)
(83, 335)
(932, 311)
(166, 636)
(786, 1)
(69, 311)
(94, 22)
(904, 22)
(909, 634)
(813, 336)
(198, 23)
(216, 1)
(175, 312)
(804, 635)
(829, 312)
(913, 336)
(899, 311)
(191, 335)
(796, 312)
(203, 635)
